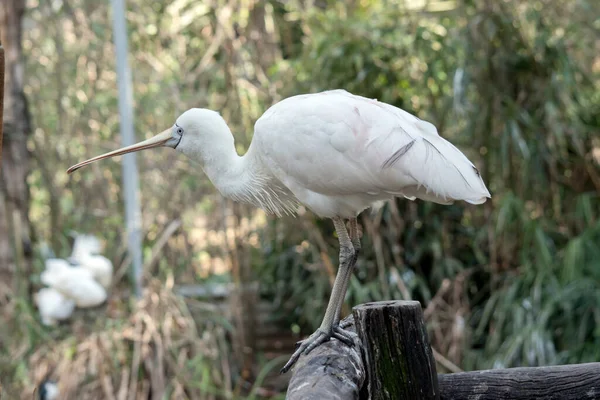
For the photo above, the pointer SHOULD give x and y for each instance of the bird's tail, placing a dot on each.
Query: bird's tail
(443, 174)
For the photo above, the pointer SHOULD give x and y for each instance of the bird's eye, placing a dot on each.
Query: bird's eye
(180, 130)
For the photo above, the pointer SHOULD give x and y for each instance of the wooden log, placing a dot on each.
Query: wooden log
(332, 371)
(564, 382)
(396, 351)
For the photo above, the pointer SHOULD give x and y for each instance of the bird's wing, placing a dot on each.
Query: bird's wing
(54, 304)
(336, 143)
(85, 292)
(64, 278)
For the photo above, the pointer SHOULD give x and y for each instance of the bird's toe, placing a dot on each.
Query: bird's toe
(318, 338)
(306, 346)
(346, 323)
(315, 340)
(343, 336)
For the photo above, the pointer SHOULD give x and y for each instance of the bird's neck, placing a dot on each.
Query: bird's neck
(244, 179)
(233, 175)
(79, 253)
(241, 178)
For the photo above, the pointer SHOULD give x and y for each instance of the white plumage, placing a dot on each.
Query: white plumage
(53, 306)
(354, 151)
(334, 152)
(49, 391)
(85, 253)
(75, 283)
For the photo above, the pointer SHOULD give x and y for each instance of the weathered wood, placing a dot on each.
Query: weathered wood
(564, 382)
(396, 351)
(332, 371)
(399, 364)
(242, 301)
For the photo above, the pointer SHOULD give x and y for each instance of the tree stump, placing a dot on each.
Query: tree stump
(396, 351)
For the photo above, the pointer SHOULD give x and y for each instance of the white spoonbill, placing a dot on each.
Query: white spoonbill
(74, 283)
(334, 152)
(85, 253)
(53, 306)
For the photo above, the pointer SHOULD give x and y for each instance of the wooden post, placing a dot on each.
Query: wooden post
(396, 351)
(565, 382)
(332, 371)
(243, 298)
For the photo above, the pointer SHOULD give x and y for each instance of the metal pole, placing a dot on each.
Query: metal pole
(130, 174)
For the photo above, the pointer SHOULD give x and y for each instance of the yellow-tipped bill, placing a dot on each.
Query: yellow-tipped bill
(159, 140)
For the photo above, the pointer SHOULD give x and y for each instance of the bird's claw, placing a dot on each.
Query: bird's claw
(343, 336)
(306, 346)
(313, 341)
(346, 323)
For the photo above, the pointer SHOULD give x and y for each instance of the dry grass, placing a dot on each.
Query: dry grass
(446, 315)
(157, 351)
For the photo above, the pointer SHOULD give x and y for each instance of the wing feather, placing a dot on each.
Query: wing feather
(397, 154)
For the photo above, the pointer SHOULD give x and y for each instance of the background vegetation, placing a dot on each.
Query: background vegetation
(515, 282)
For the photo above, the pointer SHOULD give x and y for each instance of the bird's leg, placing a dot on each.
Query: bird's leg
(354, 237)
(326, 331)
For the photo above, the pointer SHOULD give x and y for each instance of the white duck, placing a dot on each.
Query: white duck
(85, 253)
(75, 283)
(53, 306)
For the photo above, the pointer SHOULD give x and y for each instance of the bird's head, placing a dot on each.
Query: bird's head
(186, 135)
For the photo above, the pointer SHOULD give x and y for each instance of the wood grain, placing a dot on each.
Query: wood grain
(398, 357)
(562, 382)
(332, 371)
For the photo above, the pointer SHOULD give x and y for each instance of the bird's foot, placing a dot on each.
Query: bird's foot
(306, 346)
(346, 323)
(319, 337)
(342, 335)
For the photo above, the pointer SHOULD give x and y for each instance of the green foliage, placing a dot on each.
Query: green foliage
(510, 84)
(514, 84)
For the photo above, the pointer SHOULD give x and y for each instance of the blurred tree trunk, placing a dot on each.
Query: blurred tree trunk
(262, 34)
(15, 244)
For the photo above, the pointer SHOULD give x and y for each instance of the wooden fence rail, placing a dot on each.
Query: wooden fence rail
(392, 360)
(576, 381)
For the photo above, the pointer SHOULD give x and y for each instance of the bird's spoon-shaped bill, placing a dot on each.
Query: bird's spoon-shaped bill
(159, 140)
